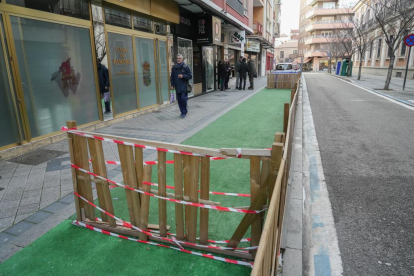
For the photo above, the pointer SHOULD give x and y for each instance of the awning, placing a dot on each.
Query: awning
(307, 60)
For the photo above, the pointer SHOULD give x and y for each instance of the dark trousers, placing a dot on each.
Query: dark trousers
(222, 83)
(182, 99)
(227, 81)
(242, 80)
(107, 106)
(251, 80)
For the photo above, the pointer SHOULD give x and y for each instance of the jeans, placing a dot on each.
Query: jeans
(182, 102)
(242, 80)
(222, 83)
(227, 81)
(251, 80)
(237, 79)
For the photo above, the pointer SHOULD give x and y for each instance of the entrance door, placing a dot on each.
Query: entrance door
(185, 48)
(163, 76)
(208, 60)
(9, 127)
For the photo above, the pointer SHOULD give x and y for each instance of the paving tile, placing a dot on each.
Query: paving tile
(30, 200)
(31, 208)
(6, 222)
(19, 228)
(9, 204)
(52, 183)
(21, 217)
(13, 194)
(18, 181)
(68, 198)
(38, 217)
(31, 193)
(55, 207)
(5, 238)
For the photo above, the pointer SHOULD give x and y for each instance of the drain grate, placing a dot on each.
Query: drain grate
(36, 157)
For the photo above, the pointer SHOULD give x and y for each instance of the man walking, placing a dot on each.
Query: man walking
(180, 75)
(244, 69)
(237, 69)
(252, 73)
(103, 78)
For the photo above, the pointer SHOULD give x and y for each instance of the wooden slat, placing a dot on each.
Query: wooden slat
(162, 191)
(276, 159)
(254, 191)
(178, 183)
(145, 201)
(130, 178)
(72, 124)
(156, 144)
(279, 137)
(102, 187)
(204, 194)
(82, 160)
(285, 117)
(292, 95)
(245, 153)
(187, 179)
(194, 187)
(139, 167)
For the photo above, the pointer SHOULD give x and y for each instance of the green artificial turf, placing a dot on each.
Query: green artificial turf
(70, 250)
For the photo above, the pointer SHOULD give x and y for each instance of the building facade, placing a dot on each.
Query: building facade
(320, 23)
(286, 52)
(376, 59)
(48, 66)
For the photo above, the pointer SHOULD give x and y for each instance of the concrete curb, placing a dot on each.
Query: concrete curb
(292, 234)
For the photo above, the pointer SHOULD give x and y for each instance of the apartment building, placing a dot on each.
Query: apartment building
(377, 59)
(320, 21)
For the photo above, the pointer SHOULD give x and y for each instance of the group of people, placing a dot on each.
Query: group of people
(180, 76)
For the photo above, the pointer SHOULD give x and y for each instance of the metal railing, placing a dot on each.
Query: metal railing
(257, 28)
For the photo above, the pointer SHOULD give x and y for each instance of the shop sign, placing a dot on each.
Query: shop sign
(253, 46)
(208, 30)
(121, 58)
(238, 36)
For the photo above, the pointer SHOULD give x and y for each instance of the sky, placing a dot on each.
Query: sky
(290, 15)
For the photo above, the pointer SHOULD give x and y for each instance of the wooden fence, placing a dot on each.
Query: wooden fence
(282, 80)
(268, 180)
(266, 261)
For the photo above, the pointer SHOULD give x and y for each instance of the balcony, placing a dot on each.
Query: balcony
(326, 12)
(257, 28)
(316, 53)
(312, 2)
(258, 3)
(326, 25)
(319, 39)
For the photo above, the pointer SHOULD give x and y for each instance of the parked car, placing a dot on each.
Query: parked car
(287, 67)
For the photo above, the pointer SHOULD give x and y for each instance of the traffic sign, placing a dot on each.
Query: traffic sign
(409, 40)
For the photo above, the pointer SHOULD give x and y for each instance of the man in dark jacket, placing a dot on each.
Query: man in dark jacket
(252, 73)
(180, 75)
(228, 70)
(103, 77)
(237, 69)
(244, 69)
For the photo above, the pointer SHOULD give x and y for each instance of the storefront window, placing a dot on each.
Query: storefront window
(122, 72)
(208, 58)
(146, 72)
(160, 28)
(56, 73)
(117, 18)
(163, 71)
(185, 48)
(143, 24)
(72, 8)
(9, 133)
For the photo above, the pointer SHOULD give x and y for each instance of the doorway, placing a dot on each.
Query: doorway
(185, 48)
(208, 60)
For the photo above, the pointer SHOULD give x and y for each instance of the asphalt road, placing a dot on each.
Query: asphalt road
(367, 151)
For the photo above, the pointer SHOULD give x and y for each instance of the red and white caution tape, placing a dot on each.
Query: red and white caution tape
(129, 225)
(156, 162)
(172, 234)
(238, 152)
(67, 129)
(212, 207)
(209, 256)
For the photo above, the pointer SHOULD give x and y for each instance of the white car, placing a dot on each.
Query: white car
(287, 67)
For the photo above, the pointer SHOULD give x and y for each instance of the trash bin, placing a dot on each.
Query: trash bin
(344, 68)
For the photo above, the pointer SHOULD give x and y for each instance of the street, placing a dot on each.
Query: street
(366, 147)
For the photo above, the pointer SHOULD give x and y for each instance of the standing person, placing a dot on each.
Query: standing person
(180, 75)
(244, 69)
(228, 70)
(222, 73)
(252, 73)
(103, 78)
(237, 69)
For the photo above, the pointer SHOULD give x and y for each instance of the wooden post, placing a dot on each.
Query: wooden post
(102, 187)
(72, 124)
(162, 191)
(254, 191)
(204, 194)
(292, 95)
(279, 137)
(139, 168)
(84, 181)
(178, 183)
(130, 178)
(145, 201)
(186, 173)
(194, 187)
(276, 159)
(285, 117)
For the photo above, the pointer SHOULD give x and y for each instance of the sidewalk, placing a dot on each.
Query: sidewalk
(34, 199)
(376, 84)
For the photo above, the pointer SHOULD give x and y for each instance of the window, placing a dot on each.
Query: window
(370, 49)
(295, 51)
(390, 50)
(282, 54)
(142, 24)
(117, 18)
(329, 5)
(236, 5)
(328, 19)
(379, 48)
(403, 46)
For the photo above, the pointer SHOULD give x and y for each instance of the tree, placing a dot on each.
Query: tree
(99, 32)
(335, 48)
(395, 18)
